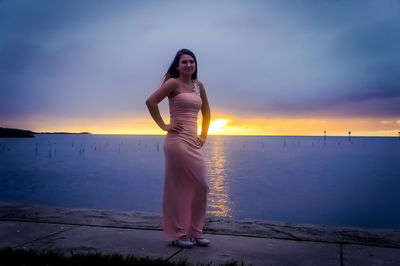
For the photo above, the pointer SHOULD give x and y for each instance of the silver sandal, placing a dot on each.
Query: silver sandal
(202, 242)
(182, 244)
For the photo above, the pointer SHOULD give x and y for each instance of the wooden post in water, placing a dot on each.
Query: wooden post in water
(349, 135)
(324, 136)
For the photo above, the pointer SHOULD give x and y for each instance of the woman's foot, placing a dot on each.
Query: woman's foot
(183, 242)
(184, 238)
(202, 242)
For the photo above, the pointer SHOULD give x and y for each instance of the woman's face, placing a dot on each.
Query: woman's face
(186, 65)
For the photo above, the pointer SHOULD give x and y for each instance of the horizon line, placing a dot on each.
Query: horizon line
(224, 135)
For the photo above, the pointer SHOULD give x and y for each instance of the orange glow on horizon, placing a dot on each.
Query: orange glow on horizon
(307, 126)
(220, 125)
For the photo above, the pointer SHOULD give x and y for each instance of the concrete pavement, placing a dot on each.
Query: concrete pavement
(253, 242)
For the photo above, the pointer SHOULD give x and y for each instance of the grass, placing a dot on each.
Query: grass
(20, 257)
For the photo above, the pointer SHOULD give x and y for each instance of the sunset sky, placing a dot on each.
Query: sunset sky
(269, 67)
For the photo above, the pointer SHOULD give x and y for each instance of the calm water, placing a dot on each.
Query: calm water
(291, 179)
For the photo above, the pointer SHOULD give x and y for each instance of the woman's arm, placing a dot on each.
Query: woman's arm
(206, 114)
(152, 104)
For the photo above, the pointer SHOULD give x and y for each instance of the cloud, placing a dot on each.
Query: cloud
(284, 58)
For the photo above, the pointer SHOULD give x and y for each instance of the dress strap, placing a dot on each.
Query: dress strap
(196, 88)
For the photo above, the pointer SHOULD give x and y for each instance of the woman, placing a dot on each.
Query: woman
(185, 184)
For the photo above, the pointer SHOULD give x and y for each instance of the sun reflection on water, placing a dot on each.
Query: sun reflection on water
(219, 203)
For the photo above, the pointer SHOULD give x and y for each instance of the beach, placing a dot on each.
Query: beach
(256, 242)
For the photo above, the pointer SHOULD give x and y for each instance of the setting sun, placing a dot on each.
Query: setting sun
(218, 125)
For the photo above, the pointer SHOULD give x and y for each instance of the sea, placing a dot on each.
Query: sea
(338, 181)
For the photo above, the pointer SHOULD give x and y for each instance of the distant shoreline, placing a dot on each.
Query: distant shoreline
(21, 133)
(62, 133)
(15, 133)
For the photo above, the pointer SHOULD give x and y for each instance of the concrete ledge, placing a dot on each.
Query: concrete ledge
(217, 226)
(306, 232)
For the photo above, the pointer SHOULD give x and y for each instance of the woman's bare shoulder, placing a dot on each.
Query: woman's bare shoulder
(171, 82)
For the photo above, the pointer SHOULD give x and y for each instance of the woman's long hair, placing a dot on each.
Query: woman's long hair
(173, 72)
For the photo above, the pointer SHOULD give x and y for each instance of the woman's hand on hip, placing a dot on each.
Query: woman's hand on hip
(200, 141)
(176, 127)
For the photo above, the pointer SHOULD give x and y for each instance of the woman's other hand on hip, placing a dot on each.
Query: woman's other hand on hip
(200, 141)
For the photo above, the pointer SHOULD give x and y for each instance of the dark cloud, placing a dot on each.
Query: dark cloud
(370, 41)
(33, 18)
(283, 57)
(16, 55)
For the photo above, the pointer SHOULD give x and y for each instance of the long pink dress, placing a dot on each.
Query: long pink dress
(185, 184)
